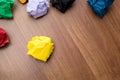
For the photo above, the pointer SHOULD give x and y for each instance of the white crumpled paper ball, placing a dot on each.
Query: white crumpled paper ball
(37, 8)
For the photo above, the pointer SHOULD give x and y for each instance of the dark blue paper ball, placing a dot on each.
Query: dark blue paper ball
(100, 6)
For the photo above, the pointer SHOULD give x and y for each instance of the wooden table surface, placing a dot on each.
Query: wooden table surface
(86, 47)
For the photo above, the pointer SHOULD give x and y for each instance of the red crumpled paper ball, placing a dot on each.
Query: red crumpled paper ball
(3, 38)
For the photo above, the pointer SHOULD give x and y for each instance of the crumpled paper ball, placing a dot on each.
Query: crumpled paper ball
(6, 8)
(40, 47)
(23, 1)
(62, 5)
(37, 8)
(3, 38)
(100, 6)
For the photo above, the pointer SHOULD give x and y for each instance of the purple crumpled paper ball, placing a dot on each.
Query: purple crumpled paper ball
(37, 8)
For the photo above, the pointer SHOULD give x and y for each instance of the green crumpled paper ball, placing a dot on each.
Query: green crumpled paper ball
(6, 8)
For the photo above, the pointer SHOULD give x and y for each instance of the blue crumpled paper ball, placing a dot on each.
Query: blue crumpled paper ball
(100, 6)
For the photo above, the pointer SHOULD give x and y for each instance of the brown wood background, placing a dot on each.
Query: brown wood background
(86, 47)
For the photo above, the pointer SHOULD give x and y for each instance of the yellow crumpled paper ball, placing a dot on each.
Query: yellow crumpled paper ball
(40, 47)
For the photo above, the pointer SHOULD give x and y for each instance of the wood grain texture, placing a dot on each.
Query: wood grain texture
(86, 47)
